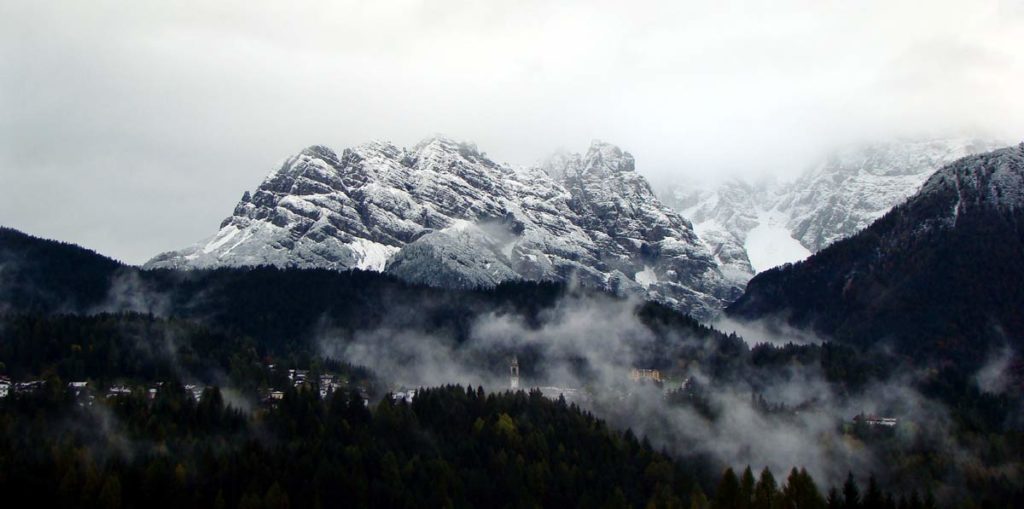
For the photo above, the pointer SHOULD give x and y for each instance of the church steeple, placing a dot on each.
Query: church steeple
(514, 373)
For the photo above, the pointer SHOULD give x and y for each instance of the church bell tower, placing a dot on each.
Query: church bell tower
(513, 369)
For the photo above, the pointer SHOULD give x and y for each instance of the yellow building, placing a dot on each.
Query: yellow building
(637, 374)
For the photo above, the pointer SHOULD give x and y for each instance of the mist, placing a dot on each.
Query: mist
(995, 375)
(141, 124)
(585, 347)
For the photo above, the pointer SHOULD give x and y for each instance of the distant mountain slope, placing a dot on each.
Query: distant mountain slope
(444, 214)
(855, 186)
(284, 307)
(940, 275)
(753, 226)
(44, 274)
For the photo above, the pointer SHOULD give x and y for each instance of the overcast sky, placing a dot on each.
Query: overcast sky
(133, 127)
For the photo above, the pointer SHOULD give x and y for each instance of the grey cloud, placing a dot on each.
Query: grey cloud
(134, 128)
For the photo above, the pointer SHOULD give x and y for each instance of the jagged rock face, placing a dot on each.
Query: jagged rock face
(752, 226)
(634, 231)
(445, 215)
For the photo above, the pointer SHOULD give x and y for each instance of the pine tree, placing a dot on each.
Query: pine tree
(851, 494)
(698, 500)
(727, 496)
(800, 491)
(766, 491)
(873, 497)
(746, 488)
(833, 501)
(663, 498)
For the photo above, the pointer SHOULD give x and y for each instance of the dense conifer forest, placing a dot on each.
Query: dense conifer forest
(451, 447)
(152, 388)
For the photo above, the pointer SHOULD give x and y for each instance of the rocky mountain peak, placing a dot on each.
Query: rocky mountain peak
(604, 158)
(601, 160)
(442, 213)
(438, 146)
(320, 152)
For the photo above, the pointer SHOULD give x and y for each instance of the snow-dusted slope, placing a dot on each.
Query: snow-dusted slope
(853, 187)
(444, 214)
(755, 226)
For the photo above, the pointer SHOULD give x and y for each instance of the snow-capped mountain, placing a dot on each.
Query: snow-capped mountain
(444, 214)
(753, 226)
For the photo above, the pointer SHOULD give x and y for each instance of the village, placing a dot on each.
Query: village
(86, 392)
(326, 383)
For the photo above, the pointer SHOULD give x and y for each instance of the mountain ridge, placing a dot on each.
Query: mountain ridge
(939, 275)
(442, 213)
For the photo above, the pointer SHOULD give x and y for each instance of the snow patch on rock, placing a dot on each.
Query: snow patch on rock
(646, 277)
(770, 244)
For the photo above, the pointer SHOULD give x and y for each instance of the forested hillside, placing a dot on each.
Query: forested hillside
(939, 278)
